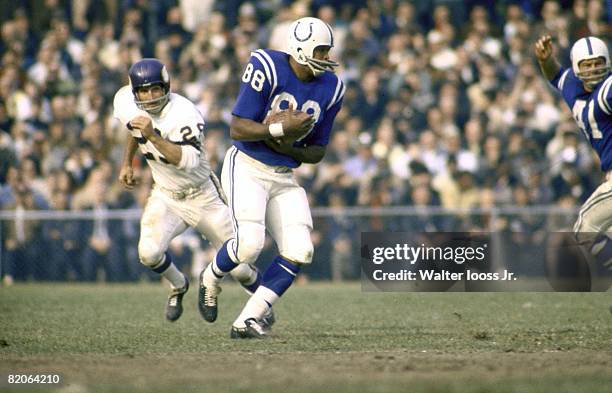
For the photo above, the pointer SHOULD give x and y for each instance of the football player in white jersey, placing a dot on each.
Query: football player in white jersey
(282, 118)
(168, 130)
(586, 87)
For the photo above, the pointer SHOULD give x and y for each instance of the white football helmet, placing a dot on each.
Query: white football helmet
(590, 48)
(305, 35)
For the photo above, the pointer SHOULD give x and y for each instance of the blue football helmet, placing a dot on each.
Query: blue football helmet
(148, 72)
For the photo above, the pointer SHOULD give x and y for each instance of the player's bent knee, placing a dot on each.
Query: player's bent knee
(299, 254)
(249, 249)
(150, 253)
(296, 245)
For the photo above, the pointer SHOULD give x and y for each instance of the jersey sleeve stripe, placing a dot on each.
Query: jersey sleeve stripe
(265, 66)
(195, 144)
(562, 79)
(606, 96)
(603, 94)
(272, 68)
(341, 94)
(338, 87)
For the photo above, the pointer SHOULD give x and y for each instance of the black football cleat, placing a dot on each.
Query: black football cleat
(253, 329)
(174, 307)
(268, 320)
(207, 300)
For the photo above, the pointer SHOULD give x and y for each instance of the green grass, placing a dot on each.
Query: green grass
(328, 338)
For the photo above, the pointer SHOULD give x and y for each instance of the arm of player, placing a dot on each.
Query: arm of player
(172, 152)
(242, 129)
(126, 174)
(257, 85)
(314, 146)
(307, 154)
(544, 54)
(604, 96)
(294, 123)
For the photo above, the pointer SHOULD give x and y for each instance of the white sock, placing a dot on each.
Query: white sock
(174, 276)
(211, 275)
(257, 306)
(244, 274)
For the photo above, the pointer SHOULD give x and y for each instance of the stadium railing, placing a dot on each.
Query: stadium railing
(102, 245)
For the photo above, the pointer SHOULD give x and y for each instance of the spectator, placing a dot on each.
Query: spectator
(62, 241)
(422, 86)
(22, 248)
(103, 240)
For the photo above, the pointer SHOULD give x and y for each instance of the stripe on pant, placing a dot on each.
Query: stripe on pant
(218, 188)
(232, 200)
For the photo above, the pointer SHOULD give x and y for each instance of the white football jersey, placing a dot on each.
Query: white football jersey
(179, 122)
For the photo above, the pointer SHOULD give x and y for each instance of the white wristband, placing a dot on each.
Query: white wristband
(276, 130)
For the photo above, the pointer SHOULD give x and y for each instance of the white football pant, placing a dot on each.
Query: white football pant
(596, 213)
(165, 217)
(595, 218)
(262, 196)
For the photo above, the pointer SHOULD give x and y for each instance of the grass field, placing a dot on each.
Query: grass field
(328, 338)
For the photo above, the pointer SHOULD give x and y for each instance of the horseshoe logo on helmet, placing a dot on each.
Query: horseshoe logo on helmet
(296, 34)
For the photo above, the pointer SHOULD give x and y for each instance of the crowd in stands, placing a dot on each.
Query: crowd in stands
(444, 106)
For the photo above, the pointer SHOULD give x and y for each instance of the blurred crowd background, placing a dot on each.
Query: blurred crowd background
(444, 106)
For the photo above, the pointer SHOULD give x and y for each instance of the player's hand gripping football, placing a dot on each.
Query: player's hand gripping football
(543, 48)
(295, 124)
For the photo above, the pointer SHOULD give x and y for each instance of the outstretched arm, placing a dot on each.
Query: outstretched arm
(544, 54)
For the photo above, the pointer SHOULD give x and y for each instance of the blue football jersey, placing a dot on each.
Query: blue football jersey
(269, 85)
(592, 111)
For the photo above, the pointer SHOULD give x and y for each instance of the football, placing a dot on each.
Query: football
(279, 117)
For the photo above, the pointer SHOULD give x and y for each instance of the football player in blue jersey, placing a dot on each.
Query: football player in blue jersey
(586, 88)
(282, 118)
